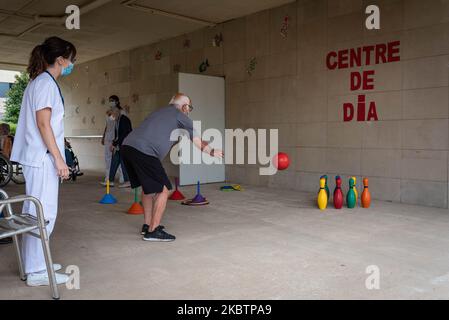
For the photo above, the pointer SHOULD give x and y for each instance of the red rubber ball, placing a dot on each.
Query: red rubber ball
(281, 161)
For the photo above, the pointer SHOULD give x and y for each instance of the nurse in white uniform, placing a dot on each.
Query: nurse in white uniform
(39, 145)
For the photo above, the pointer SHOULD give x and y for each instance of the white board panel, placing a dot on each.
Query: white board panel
(208, 98)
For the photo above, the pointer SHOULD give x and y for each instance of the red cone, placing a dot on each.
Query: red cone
(177, 195)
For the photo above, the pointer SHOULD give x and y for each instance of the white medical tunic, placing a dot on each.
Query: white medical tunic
(29, 149)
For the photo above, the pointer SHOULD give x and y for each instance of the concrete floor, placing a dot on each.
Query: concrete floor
(256, 244)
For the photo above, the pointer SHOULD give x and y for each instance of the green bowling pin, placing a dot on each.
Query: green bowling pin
(350, 197)
(327, 188)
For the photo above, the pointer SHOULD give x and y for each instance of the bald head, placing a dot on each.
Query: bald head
(180, 98)
(182, 102)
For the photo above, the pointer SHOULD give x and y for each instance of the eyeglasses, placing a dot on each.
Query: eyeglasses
(190, 107)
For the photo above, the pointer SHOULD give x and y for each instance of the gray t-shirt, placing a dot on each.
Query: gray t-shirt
(152, 137)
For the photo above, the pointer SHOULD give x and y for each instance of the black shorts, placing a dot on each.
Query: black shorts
(144, 170)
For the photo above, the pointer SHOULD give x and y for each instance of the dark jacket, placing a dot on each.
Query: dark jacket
(122, 129)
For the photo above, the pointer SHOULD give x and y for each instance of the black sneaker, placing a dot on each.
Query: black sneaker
(146, 228)
(158, 235)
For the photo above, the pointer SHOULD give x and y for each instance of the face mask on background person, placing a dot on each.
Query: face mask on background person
(112, 104)
(67, 71)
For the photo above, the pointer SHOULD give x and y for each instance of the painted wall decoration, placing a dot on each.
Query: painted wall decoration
(84, 120)
(103, 101)
(135, 98)
(204, 65)
(74, 86)
(251, 66)
(158, 55)
(106, 76)
(77, 110)
(362, 57)
(92, 120)
(186, 44)
(88, 100)
(285, 26)
(217, 40)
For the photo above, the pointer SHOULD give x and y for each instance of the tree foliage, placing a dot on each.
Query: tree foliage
(14, 98)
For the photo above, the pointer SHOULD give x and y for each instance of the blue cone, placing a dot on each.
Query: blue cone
(108, 199)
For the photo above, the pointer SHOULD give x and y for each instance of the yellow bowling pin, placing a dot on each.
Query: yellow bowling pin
(355, 190)
(322, 195)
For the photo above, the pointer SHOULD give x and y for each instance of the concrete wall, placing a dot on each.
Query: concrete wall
(404, 153)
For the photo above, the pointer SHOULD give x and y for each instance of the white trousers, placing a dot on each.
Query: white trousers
(108, 159)
(43, 184)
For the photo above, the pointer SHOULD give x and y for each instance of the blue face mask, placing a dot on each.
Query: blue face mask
(67, 71)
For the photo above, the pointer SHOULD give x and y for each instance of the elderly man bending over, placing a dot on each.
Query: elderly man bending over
(144, 149)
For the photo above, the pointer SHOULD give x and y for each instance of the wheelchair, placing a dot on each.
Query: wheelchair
(10, 170)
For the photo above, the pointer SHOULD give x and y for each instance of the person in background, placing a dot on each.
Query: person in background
(122, 128)
(5, 140)
(5, 148)
(106, 141)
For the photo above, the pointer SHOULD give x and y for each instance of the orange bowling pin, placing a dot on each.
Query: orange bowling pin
(366, 196)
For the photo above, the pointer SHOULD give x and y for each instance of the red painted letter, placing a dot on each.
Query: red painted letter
(361, 108)
(368, 50)
(343, 59)
(381, 53)
(393, 51)
(368, 80)
(372, 113)
(331, 65)
(348, 112)
(356, 81)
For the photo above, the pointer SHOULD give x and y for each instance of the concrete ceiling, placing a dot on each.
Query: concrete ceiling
(112, 26)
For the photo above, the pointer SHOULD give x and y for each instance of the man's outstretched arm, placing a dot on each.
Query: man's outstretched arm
(204, 146)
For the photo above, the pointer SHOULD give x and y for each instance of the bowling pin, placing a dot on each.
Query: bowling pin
(325, 187)
(350, 197)
(322, 177)
(322, 196)
(366, 196)
(355, 190)
(338, 194)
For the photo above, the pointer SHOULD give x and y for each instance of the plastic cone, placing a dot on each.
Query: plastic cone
(108, 198)
(176, 195)
(198, 198)
(135, 208)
